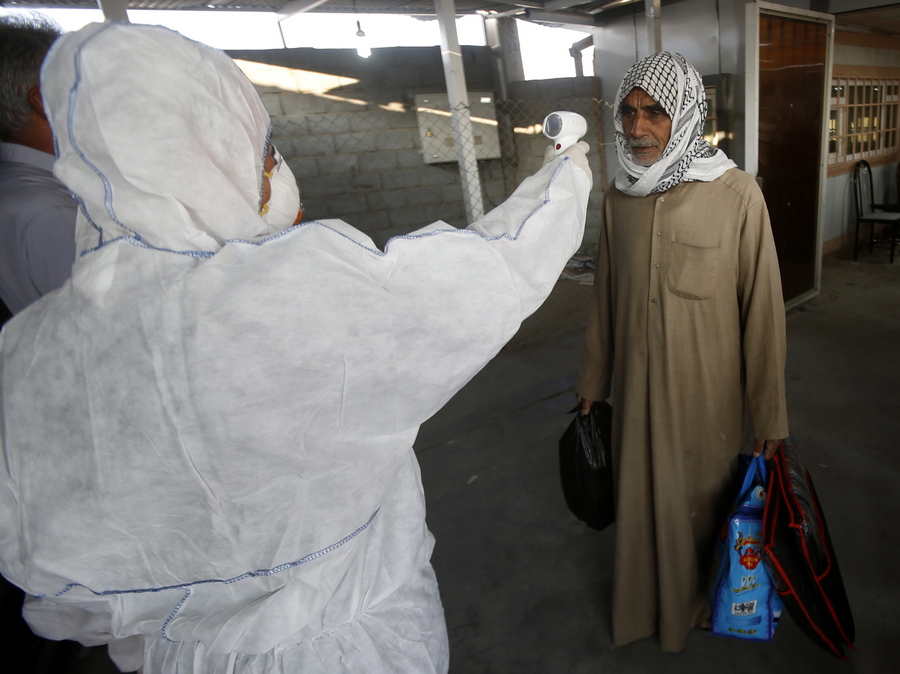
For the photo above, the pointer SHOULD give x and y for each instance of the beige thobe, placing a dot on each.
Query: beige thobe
(689, 316)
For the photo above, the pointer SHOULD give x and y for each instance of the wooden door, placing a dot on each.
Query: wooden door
(792, 71)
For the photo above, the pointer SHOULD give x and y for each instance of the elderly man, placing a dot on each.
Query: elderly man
(37, 215)
(689, 318)
(208, 431)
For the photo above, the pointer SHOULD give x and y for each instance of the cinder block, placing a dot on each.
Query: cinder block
(343, 164)
(288, 126)
(392, 180)
(371, 222)
(452, 214)
(293, 104)
(445, 174)
(303, 167)
(421, 195)
(315, 208)
(399, 139)
(372, 120)
(385, 200)
(366, 182)
(410, 159)
(325, 186)
(348, 204)
(376, 161)
(272, 103)
(331, 123)
(312, 146)
(404, 120)
(451, 194)
(408, 218)
(495, 188)
(354, 143)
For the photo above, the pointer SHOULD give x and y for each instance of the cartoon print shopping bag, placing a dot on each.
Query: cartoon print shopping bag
(744, 602)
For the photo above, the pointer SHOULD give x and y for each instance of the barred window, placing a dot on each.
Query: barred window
(864, 119)
(711, 126)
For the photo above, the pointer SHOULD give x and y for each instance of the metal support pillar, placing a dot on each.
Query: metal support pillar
(654, 29)
(458, 95)
(114, 10)
(503, 39)
(575, 52)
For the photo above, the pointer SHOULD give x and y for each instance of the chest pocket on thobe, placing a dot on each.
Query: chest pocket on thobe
(693, 271)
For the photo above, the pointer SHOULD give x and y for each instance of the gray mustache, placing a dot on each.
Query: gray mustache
(643, 142)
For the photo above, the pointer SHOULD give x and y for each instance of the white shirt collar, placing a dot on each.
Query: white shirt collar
(26, 155)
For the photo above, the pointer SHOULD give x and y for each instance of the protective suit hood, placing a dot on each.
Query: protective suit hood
(183, 182)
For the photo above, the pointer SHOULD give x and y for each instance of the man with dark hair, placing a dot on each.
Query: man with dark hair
(37, 215)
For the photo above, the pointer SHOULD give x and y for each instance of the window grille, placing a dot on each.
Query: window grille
(863, 120)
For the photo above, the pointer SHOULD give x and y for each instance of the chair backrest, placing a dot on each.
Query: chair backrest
(862, 188)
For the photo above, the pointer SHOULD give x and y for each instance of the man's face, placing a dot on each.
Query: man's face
(647, 127)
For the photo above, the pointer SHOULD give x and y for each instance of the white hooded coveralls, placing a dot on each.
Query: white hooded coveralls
(208, 436)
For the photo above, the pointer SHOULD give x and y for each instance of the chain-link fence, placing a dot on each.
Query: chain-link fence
(389, 171)
(386, 160)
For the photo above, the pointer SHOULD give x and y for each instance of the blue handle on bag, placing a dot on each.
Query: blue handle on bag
(757, 466)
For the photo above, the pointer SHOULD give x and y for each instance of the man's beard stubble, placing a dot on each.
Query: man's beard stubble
(643, 143)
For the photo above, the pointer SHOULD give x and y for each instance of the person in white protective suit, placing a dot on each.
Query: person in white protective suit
(208, 431)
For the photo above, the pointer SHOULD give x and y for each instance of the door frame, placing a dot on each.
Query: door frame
(751, 114)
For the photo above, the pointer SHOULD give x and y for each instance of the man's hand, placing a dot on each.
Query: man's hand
(585, 404)
(769, 446)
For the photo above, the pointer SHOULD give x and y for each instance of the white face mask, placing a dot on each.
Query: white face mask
(283, 209)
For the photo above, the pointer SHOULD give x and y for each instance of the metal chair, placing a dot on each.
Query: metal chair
(868, 212)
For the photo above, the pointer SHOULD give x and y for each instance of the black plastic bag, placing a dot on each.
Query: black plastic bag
(585, 466)
(800, 556)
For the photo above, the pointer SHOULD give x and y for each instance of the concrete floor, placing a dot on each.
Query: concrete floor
(526, 587)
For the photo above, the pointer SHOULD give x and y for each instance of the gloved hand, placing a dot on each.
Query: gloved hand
(577, 153)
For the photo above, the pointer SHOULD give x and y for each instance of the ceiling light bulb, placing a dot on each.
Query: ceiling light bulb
(362, 46)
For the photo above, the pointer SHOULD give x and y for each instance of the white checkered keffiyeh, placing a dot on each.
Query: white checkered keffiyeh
(676, 85)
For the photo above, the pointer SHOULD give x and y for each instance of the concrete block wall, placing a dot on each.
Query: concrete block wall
(347, 128)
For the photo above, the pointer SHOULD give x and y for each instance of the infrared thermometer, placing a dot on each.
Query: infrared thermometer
(564, 129)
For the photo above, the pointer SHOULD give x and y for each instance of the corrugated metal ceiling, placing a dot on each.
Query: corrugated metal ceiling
(884, 19)
(586, 8)
(347, 6)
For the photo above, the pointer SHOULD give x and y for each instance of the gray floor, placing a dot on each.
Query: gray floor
(526, 587)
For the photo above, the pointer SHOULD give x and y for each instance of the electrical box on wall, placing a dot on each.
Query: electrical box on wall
(436, 126)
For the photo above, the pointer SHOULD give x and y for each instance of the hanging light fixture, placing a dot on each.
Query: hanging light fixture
(362, 43)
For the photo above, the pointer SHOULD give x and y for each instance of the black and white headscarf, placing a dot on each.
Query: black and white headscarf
(676, 85)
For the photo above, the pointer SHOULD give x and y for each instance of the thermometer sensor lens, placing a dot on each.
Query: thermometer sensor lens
(554, 126)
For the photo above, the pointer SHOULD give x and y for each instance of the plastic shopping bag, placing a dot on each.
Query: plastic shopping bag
(743, 599)
(585, 466)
